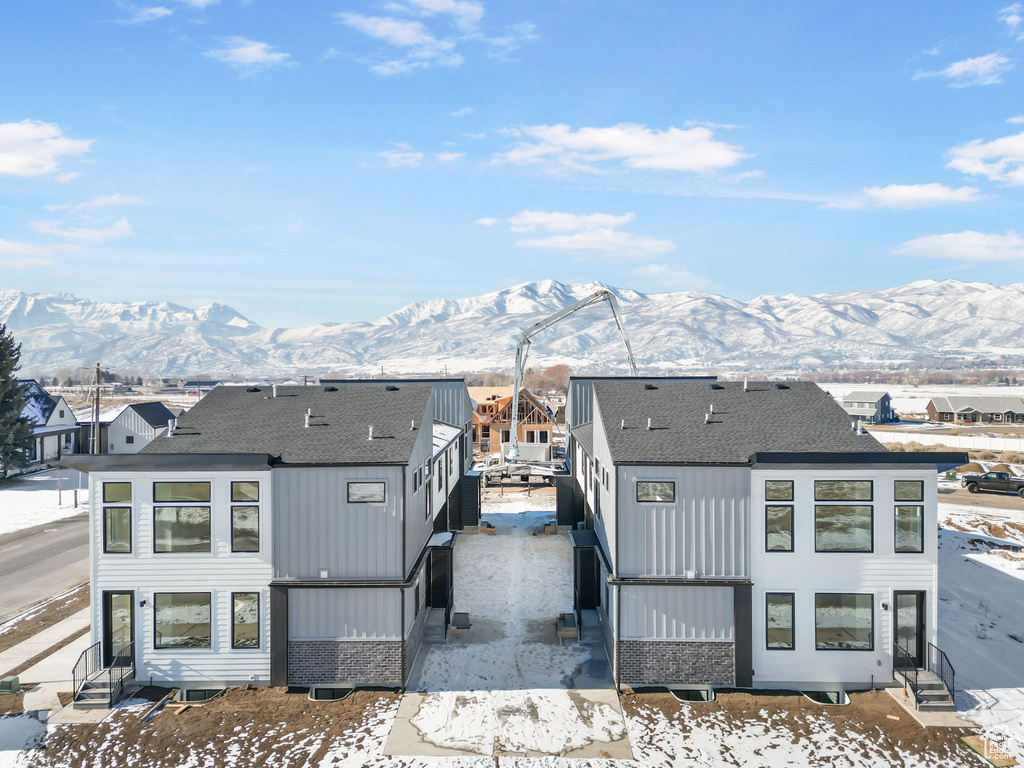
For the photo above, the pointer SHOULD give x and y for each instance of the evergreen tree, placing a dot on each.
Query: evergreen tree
(15, 431)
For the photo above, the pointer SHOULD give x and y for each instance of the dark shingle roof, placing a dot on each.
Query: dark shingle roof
(584, 435)
(796, 416)
(235, 420)
(155, 414)
(39, 404)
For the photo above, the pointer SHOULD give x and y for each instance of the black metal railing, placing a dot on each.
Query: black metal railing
(88, 664)
(904, 662)
(122, 667)
(938, 665)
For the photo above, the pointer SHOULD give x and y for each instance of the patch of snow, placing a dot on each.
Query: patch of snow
(41, 497)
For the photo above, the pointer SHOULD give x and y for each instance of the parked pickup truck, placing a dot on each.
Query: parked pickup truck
(999, 482)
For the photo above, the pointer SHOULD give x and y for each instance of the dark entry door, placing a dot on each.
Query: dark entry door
(910, 624)
(585, 578)
(440, 577)
(118, 626)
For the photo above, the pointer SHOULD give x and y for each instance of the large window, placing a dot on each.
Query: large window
(245, 529)
(117, 493)
(778, 490)
(181, 492)
(908, 490)
(245, 621)
(778, 609)
(844, 622)
(117, 530)
(778, 526)
(366, 493)
(843, 490)
(182, 619)
(909, 528)
(843, 528)
(656, 490)
(181, 529)
(245, 490)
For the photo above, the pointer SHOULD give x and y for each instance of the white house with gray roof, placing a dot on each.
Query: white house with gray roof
(281, 535)
(54, 425)
(743, 534)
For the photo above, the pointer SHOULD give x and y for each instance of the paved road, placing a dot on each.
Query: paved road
(37, 563)
(991, 500)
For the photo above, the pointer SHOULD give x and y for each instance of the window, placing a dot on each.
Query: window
(182, 619)
(366, 493)
(543, 436)
(843, 528)
(908, 490)
(245, 529)
(844, 622)
(61, 415)
(439, 475)
(181, 529)
(245, 620)
(909, 528)
(245, 490)
(129, 439)
(485, 432)
(656, 490)
(505, 435)
(181, 491)
(843, 490)
(778, 611)
(778, 526)
(778, 490)
(117, 493)
(117, 530)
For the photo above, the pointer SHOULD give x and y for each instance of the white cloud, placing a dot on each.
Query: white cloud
(966, 246)
(64, 178)
(981, 70)
(198, 3)
(709, 124)
(1012, 16)
(461, 112)
(487, 222)
(514, 38)
(33, 148)
(465, 13)
(144, 14)
(424, 50)
(23, 249)
(396, 158)
(607, 242)
(449, 157)
(906, 196)
(999, 159)
(249, 56)
(565, 222)
(672, 277)
(629, 145)
(104, 201)
(1016, 119)
(28, 262)
(89, 235)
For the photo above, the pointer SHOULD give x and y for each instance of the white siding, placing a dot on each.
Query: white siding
(704, 531)
(677, 613)
(129, 424)
(345, 614)
(604, 500)
(418, 525)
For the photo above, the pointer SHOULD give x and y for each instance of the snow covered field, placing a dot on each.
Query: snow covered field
(40, 498)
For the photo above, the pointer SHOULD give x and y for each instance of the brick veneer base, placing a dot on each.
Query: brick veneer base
(356, 662)
(643, 662)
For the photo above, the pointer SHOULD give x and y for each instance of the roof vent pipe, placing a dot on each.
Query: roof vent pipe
(649, 424)
(745, 387)
(711, 408)
(171, 426)
(622, 424)
(707, 418)
(275, 391)
(371, 433)
(307, 420)
(412, 425)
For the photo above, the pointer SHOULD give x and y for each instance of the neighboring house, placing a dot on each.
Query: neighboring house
(198, 386)
(492, 419)
(53, 423)
(281, 535)
(977, 409)
(744, 535)
(136, 426)
(874, 407)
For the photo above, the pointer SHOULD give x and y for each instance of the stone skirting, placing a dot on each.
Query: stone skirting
(350, 662)
(648, 662)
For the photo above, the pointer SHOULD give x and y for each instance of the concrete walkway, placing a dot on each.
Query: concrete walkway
(14, 657)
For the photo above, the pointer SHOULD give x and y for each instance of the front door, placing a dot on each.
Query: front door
(910, 626)
(118, 625)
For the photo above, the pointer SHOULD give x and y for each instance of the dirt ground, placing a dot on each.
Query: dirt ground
(865, 717)
(56, 611)
(991, 500)
(11, 705)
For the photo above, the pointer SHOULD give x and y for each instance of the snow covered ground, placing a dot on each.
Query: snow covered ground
(41, 497)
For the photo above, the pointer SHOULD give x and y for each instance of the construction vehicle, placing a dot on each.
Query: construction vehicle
(513, 462)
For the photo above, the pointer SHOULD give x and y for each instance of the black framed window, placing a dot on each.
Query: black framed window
(117, 530)
(843, 528)
(366, 493)
(183, 620)
(778, 611)
(245, 620)
(117, 493)
(908, 490)
(844, 622)
(245, 490)
(181, 529)
(778, 490)
(909, 528)
(245, 529)
(843, 490)
(778, 527)
(178, 491)
(656, 490)
(129, 439)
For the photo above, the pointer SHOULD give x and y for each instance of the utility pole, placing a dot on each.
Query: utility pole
(305, 379)
(96, 415)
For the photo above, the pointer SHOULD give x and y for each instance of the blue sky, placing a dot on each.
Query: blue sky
(332, 161)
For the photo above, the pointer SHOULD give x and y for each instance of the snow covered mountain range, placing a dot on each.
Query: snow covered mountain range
(924, 321)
